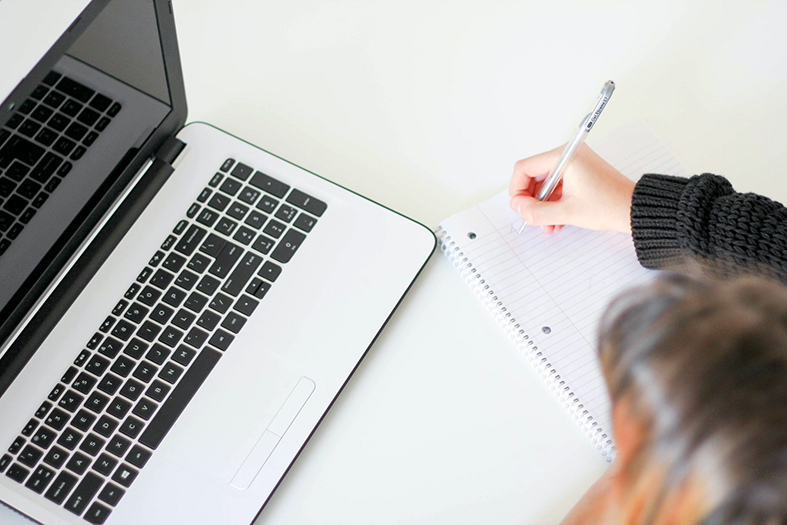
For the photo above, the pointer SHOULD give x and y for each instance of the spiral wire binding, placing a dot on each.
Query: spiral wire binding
(525, 344)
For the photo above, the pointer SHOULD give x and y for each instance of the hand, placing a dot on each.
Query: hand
(592, 194)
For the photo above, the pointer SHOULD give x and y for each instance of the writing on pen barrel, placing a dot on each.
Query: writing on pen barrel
(554, 177)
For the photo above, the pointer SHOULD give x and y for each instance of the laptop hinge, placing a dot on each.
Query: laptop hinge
(170, 150)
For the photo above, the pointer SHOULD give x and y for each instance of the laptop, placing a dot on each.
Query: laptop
(178, 308)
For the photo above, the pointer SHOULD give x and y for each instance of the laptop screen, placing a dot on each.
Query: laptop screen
(73, 135)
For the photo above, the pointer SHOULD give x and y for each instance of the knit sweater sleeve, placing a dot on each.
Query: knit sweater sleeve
(679, 223)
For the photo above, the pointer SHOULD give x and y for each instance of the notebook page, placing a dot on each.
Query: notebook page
(557, 286)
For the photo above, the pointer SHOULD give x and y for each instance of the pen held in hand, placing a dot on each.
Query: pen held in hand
(554, 177)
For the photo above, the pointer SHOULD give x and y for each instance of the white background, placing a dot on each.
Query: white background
(424, 107)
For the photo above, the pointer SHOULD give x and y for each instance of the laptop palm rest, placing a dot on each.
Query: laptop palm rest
(273, 434)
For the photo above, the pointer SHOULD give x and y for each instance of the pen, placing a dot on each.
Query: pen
(585, 126)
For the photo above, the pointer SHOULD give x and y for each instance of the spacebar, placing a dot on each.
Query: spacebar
(172, 408)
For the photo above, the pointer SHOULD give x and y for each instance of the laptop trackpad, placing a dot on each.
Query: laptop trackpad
(273, 434)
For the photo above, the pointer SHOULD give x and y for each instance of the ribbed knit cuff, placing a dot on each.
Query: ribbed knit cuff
(654, 224)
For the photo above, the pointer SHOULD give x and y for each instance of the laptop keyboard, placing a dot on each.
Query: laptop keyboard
(101, 423)
(39, 143)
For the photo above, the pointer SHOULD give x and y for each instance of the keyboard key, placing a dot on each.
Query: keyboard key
(107, 324)
(64, 146)
(123, 330)
(119, 408)
(40, 479)
(196, 337)
(83, 420)
(43, 409)
(41, 114)
(100, 102)
(158, 390)
(175, 296)
(285, 213)
(105, 464)
(209, 320)
(148, 331)
(97, 514)
(75, 131)
(244, 235)
(132, 390)
(29, 128)
(261, 290)
(18, 148)
(207, 217)
(171, 336)
(118, 445)
(56, 457)
(61, 487)
(161, 279)
(199, 263)
(97, 365)
(233, 322)
(196, 302)
(74, 89)
(138, 456)
(183, 355)
(171, 409)
(208, 285)
(145, 408)
(17, 170)
(221, 303)
(248, 195)
(263, 244)
(187, 280)
(71, 400)
(145, 372)
(158, 354)
(136, 348)
(149, 296)
(30, 427)
(161, 313)
(84, 492)
(46, 137)
(226, 226)
(136, 313)
(29, 456)
(96, 402)
(78, 153)
(17, 473)
(230, 186)
(274, 229)
(90, 138)
(226, 260)
(78, 463)
(221, 339)
(174, 262)
(119, 308)
(289, 244)
(242, 171)
(69, 439)
(270, 271)
(125, 475)
(255, 219)
(92, 444)
(203, 196)
(267, 204)
(307, 202)
(131, 427)
(245, 305)
(105, 426)
(88, 117)
(111, 494)
(123, 366)
(56, 392)
(46, 167)
(16, 446)
(191, 239)
(110, 384)
(114, 109)
(57, 419)
(269, 184)
(4, 462)
(242, 274)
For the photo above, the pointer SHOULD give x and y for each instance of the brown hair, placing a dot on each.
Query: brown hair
(704, 364)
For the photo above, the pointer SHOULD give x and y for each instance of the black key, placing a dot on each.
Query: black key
(183, 319)
(274, 229)
(14, 232)
(288, 246)
(46, 137)
(56, 457)
(69, 375)
(237, 210)
(100, 102)
(221, 339)
(245, 305)
(138, 456)
(255, 219)
(4, 244)
(111, 494)
(41, 114)
(136, 313)
(59, 122)
(110, 384)
(17, 473)
(118, 445)
(169, 242)
(244, 235)
(171, 336)
(191, 240)
(43, 409)
(183, 355)
(156, 259)
(40, 479)
(92, 444)
(230, 186)
(84, 384)
(193, 210)
(28, 189)
(226, 260)
(199, 263)
(170, 372)
(263, 244)
(30, 427)
(215, 180)
(209, 320)
(285, 213)
(132, 390)
(29, 128)
(51, 78)
(90, 138)
(221, 303)
(26, 107)
(158, 390)
(102, 124)
(114, 109)
(96, 402)
(174, 262)
(267, 204)
(242, 274)
(71, 400)
(29, 456)
(145, 408)
(161, 313)
(136, 348)
(74, 89)
(6, 220)
(19, 148)
(132, 291)
(61, 487)
(15, 204)
(78, 463)
(88, 117)
(174, 296)
(40, 199)
(172, 408)
(105, 426)
(64, 146)
(84, 493)
(208, 285)
(206, 192)
(123, 366)
(17, 445)
(39, 92)
(119, 408)
(187, 280)
(196, 337)
(307, 202)
(107, 324)
(97, 514)
(105, 464)
(253, 286)
(83, 420)
(69, 438)
(233, 322)
(261, 290)
(97, 366)
(125, 475)
(145, 371)
(213, 245)
(248, 195)
(120, 307)
(227, 165)
(14, 121)
(123, 330)
(57, 419)
(131, 427)
(242, 171)
(75, 131)
(196, 302)
(161, 279)
(270, 271)
(144, 275)
(17, 170)
(4, 462)
(226, 226)
(78, 153)
(54, 395)
(148, 331)
(269, 184)
(207, 217)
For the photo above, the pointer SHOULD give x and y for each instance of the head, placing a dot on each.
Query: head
(697, 372)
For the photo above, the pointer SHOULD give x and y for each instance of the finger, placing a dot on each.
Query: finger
(540, 213)
(526, 170)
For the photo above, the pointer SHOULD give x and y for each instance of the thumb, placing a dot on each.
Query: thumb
(539, 213)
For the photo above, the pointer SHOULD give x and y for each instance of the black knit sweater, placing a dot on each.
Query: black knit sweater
(701, 222)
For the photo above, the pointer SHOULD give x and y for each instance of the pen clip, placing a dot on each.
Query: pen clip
(592, 117)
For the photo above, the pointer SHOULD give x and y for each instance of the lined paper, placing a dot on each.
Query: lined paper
(557, 286)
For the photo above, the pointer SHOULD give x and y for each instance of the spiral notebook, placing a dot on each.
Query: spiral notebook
(548, 292)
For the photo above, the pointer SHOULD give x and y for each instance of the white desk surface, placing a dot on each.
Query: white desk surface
(424, 106)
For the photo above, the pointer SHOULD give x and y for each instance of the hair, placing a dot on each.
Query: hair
(703, 363)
